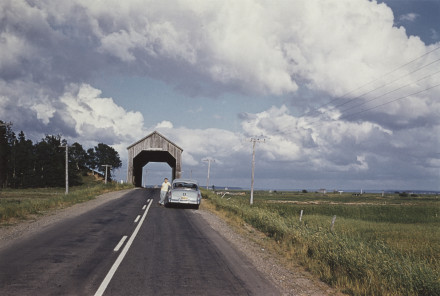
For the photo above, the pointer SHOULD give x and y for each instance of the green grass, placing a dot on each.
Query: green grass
(379, 245)
(20, 204)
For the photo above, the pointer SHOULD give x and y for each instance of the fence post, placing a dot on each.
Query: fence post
(300, 216)
(333, 223)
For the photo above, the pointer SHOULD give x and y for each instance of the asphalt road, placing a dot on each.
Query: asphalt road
(163, 251)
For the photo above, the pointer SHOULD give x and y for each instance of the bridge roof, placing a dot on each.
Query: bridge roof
(151, 135)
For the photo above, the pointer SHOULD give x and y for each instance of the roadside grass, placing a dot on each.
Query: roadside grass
(378, 246)
(21, 204)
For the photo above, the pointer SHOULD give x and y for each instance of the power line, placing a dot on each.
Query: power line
(389, 92)
(377, 88)
(373, 81)
(386, 103)
(404, 97)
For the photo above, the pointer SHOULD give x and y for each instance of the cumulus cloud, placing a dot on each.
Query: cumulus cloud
(245, 45)
(96, 118)
(50, 52)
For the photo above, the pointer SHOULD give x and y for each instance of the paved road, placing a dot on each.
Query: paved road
(167, 251)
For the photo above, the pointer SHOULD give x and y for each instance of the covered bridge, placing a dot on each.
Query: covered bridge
(153, 148)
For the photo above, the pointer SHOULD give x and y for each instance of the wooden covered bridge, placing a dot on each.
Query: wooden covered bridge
(153, 148)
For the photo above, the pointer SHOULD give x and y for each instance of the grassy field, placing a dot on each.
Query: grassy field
(377, 246)
(20, 204)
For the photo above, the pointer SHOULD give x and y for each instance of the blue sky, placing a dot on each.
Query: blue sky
(345, 92)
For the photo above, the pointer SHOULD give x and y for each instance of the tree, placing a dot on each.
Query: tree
(4, 152)
(105, 155)
(24, 162)
(91, 160)
(77, 164)
(50, 162)
(11, 141)
(78, 157)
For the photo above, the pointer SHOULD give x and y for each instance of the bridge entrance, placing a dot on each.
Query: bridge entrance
(153, 148)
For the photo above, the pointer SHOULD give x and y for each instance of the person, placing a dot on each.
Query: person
(164, 190)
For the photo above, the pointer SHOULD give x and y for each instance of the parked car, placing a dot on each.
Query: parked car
(184, 191)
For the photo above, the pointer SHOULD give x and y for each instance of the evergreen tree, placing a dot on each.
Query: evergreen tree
(4, 152)
(11, 141)
(50, 160)
(24, 162)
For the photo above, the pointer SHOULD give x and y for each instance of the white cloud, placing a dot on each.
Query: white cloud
(409, 17)
(93, 115)
(248, 45)
(44, 111)
(49, 53)
(164, 125)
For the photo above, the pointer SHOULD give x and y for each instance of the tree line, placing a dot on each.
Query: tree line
(24, 164)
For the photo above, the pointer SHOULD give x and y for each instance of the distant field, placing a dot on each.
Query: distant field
(21, 204)
(377, 245)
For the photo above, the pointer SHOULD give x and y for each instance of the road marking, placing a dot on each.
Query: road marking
(121, 242)
(121, 256)
(137, 219)
(144, 207)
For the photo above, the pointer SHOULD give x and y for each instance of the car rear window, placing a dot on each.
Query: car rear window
(184, 185)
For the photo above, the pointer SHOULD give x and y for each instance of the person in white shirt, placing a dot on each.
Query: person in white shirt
(163, 191)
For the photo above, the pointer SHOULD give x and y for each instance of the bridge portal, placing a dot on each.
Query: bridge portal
(153, 148)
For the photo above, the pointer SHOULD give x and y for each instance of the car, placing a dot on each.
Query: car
(184, 191)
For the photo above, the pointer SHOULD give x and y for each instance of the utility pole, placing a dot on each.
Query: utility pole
(67, 167)
(254, 141)
(106, 166)
(209, 168)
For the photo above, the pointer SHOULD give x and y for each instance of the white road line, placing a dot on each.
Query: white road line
(121, 242)
(144, 207)
(137, 219)
(121, 256)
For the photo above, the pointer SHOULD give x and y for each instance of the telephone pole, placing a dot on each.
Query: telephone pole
(254, 141)
(67, 167)
(209, 168)
(106, 167)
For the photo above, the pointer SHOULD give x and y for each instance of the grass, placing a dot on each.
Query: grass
(379, 245)
(21, 204)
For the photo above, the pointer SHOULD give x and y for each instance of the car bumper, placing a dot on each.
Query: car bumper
(187, 201)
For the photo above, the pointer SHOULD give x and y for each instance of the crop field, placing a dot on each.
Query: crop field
(362, 245)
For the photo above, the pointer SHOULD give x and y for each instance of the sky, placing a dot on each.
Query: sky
(342, 94)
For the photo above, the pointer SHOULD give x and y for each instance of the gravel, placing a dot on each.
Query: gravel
(289, 282)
